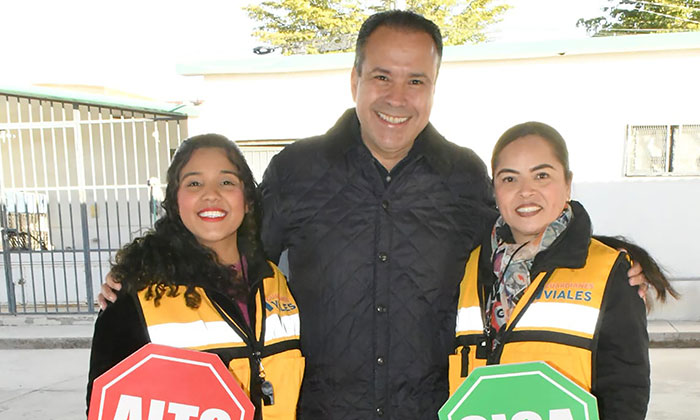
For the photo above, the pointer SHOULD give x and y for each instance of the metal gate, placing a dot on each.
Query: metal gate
(79, 180)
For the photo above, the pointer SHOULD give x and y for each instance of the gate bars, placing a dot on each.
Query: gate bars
(78, 181)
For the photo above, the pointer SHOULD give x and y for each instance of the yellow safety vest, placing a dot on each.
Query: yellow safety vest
(555, 321)
(209, 327)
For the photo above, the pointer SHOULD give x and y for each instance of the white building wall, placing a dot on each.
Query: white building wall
(273, 106)
(590, 98)
(662, 216)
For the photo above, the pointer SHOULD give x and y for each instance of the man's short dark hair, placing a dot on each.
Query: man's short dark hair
(395, 19)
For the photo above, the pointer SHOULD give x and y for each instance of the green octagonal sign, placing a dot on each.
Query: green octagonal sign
(519, 391)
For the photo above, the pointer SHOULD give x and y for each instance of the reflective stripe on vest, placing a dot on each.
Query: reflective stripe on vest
(559, 316)
(201, 333)
(193, 334)
(277, 327)
(206, 333)
(469, 320)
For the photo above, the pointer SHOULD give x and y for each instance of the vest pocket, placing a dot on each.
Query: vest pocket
(455, 370)
(285, 371)
(461, 364)
(465, 362)
(240, 369)
(570, 361)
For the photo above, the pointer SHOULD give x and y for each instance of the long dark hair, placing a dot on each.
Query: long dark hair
(170, 256)
(652, 270)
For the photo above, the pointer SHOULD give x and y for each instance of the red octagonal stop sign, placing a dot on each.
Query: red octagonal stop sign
(166, 383)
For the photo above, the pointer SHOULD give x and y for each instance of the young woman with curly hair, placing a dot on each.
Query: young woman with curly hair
(199, 280)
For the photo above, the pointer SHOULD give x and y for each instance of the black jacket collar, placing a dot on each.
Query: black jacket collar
(569, 250)
(345, 136)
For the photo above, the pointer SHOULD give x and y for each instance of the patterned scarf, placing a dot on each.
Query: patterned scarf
(512, 264)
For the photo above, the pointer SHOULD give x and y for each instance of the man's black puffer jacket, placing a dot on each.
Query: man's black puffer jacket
(375, 260)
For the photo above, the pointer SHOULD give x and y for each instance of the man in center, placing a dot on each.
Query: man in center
(378, 216)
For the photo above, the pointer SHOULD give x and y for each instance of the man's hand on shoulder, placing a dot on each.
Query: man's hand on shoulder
(108, 291)
(637, 278)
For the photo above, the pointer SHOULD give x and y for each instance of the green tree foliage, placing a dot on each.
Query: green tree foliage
(460, 21)
(626, 17)
(319, 26)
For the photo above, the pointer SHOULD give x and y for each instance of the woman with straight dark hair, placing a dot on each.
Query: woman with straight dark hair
(540, 287)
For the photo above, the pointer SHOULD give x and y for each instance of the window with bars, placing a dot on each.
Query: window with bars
(258, 153)
(663, 150)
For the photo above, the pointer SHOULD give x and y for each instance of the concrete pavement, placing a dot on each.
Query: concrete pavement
(50, 384)
(44, 361)
(59, 331)
(75, 332)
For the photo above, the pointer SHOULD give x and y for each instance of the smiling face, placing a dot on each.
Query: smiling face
(394, 91)
(211, 202)
(531, 186)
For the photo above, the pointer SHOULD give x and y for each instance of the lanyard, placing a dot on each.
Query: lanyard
(494, 339)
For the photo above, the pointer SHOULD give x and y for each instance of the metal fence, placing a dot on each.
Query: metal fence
(77, 182)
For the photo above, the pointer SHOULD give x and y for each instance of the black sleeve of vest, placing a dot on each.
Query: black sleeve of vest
(622, 359)
(119, 332)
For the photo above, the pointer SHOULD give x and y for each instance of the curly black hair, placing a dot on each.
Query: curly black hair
(170, 256)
